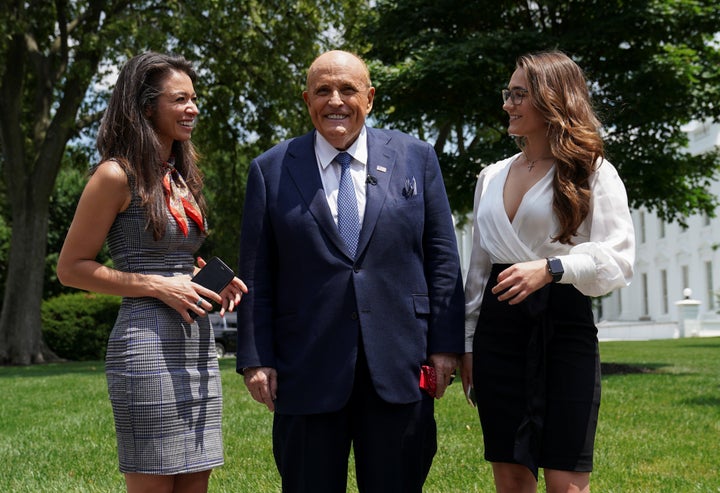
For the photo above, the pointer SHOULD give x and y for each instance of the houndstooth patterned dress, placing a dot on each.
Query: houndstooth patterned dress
(163, 376)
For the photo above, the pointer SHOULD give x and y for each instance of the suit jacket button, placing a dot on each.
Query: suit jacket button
(356, 269)
(354, 315)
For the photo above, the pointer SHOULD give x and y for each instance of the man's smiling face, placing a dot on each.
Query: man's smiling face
(339, 97)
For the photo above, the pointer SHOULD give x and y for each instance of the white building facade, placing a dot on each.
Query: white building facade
(669, 259)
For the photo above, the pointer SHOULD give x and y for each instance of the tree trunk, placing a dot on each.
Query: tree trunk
(31, 163)
(24, 285)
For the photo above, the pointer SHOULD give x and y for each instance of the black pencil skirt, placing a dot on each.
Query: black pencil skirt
(536, 372)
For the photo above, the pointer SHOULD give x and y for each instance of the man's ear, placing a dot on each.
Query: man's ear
(371, 97)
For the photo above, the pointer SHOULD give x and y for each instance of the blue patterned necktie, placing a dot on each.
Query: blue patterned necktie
(348, 217)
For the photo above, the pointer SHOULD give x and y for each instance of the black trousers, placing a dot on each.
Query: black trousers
(394, 444)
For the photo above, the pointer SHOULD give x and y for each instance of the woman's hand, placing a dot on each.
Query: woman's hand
(184, 296)
(466, 367)
(232, 295)
(520, 280)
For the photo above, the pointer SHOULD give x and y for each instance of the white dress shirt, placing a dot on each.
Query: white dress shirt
(330, 175)
(599, 260)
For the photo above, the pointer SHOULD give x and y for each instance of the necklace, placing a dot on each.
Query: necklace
(531, 164)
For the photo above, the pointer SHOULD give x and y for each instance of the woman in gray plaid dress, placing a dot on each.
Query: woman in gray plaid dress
(145, 198)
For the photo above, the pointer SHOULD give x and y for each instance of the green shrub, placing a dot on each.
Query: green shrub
(77, 326)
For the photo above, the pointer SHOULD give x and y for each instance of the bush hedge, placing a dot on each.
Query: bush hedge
(77, 326)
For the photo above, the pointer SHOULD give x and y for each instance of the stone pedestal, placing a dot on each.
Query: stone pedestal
(688, 312)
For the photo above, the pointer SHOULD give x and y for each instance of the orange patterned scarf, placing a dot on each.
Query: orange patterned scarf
(180, 200)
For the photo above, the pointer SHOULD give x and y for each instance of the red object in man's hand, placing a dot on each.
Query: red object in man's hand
(428, 380)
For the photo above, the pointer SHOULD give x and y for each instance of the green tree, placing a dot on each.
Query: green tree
(69, 185)
(44, 79)
(55, 57)
(253, 56)
(653, 65)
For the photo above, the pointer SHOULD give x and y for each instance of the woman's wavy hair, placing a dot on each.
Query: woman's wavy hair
(558, 90)
(127, 136)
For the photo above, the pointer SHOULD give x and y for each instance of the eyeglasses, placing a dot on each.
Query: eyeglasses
(516, 95)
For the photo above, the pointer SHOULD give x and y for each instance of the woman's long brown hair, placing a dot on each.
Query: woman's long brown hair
(127, 135)
(558, 90)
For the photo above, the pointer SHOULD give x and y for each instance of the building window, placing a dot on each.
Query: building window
(709, 284)
(645, 304)
(619, 301)
(706, 219)
(685, 278)
(664, 287)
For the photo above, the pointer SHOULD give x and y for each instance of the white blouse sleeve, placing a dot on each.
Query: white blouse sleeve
(478, 272)
(604, 262)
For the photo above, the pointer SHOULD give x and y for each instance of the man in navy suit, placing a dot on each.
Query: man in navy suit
(333, 333)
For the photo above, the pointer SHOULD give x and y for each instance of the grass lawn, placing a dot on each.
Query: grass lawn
(659, 428)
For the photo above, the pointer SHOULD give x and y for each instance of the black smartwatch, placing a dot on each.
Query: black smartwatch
(555, 268)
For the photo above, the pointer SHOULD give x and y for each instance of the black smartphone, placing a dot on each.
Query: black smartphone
(214, 275)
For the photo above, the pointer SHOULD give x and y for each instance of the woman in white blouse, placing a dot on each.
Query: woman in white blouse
(551, 228)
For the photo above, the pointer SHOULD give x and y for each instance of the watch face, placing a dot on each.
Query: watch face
(556, 268)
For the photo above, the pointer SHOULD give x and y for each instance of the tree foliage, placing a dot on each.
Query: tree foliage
(252, 56)
(49, 53)
(438, 67)
(56, 62)
(653, 66)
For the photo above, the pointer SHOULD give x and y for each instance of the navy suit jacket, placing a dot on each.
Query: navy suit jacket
(309, 301)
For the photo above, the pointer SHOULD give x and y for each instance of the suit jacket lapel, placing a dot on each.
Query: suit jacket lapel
(381, 164)
(301, 164)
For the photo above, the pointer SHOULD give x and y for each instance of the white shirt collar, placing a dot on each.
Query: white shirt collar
(326, 152)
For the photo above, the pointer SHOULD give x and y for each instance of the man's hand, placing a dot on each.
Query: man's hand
(261, 381)
(444, 364)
